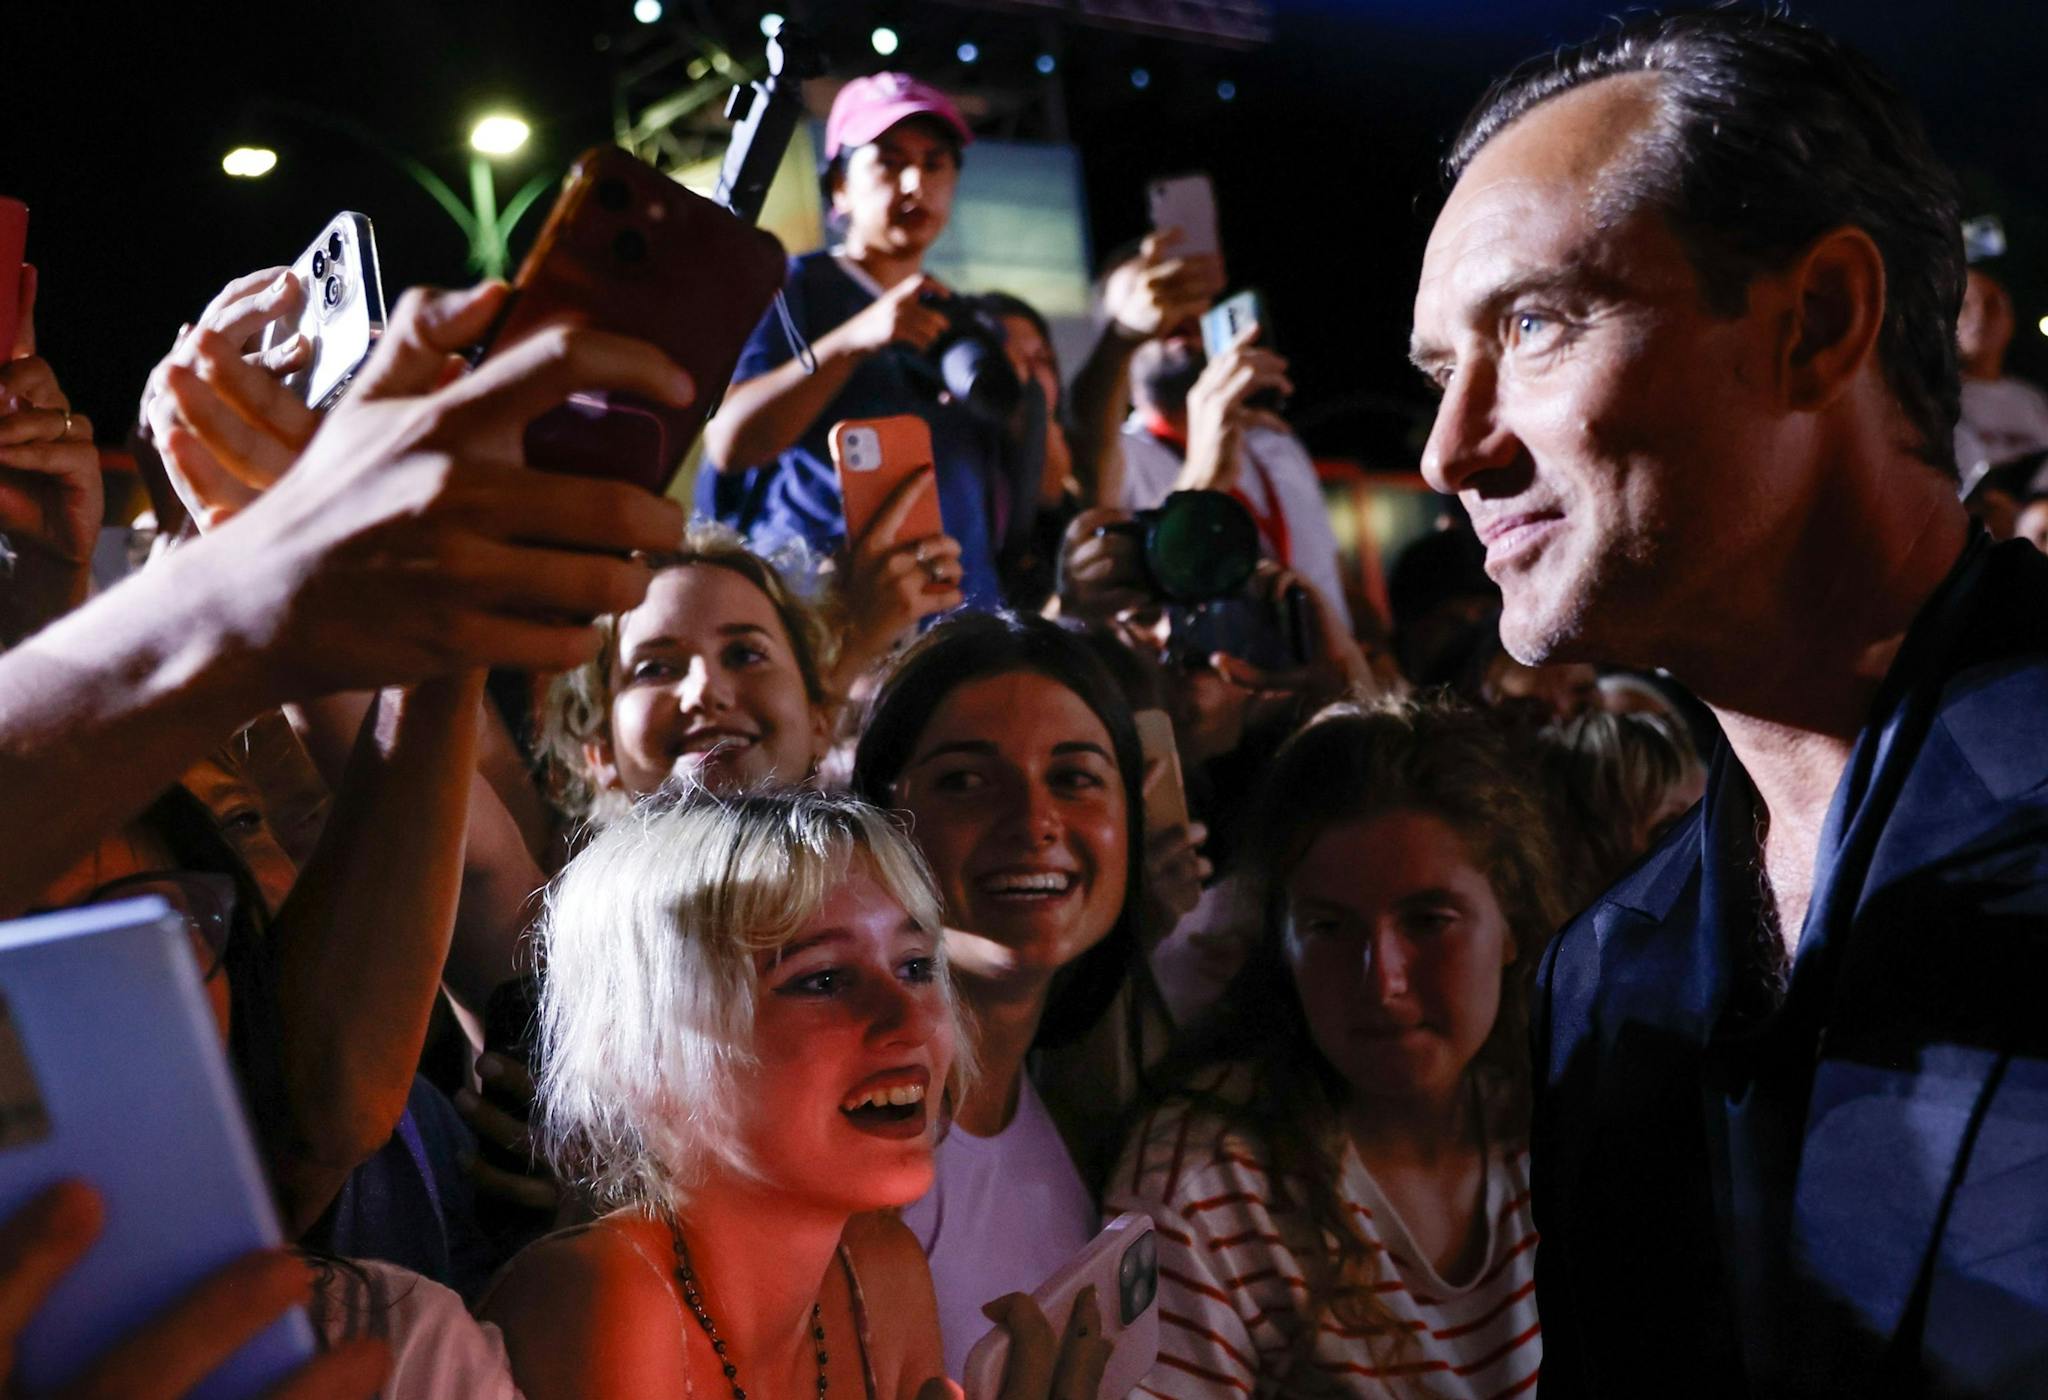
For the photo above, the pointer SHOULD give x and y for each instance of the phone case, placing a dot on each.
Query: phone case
(1226, 320)
(13, 248)
(1188, 203)
(344, 312)
(630, 251)
(1166, 800)
(1123, 1264)
(873, 456)
(111, 1071)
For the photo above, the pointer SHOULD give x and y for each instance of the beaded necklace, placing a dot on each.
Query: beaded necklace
(687, 1277)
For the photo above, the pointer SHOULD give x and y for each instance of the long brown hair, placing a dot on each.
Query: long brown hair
(1432, 754)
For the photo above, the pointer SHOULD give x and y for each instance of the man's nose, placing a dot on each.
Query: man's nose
(1469, 437)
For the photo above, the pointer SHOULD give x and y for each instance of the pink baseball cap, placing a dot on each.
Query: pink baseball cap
(867, 107)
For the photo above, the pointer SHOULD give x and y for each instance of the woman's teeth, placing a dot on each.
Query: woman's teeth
(1052, 882)
(901, 1096)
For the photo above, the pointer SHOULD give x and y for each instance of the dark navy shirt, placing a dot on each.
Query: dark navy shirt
(797, 497)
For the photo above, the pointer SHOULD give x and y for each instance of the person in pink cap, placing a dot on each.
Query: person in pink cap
(892, 163)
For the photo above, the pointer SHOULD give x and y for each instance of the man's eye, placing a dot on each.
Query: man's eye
(1530, 330)
(1432, 920)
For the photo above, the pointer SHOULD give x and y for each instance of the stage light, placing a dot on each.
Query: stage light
(771, 25)
(249, 162)
(499, 135)
(2042, 327)
(1045, 63)
(1226, 90)
(885, 41)
(647, 11)
(967, 53)
(1140, 79)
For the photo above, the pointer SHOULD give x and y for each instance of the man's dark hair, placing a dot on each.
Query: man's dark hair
(1771, 133)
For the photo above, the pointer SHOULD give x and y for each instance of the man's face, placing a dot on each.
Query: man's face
(1613, 439)
(1983, 325)
(897, 192)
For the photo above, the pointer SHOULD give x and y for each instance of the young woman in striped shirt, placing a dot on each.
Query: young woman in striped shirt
(1339, 1177)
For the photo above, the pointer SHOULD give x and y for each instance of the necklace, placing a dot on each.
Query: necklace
(687, 1277)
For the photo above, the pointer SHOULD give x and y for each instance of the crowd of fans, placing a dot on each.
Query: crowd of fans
(722, 955)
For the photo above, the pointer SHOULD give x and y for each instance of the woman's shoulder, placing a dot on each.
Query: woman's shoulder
(889, 1289)
(610, 1275)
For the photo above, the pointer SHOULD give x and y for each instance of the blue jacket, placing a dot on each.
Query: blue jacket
(1848, 1195)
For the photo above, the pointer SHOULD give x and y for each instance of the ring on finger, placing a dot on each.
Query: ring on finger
(935, 569)
(67, 422)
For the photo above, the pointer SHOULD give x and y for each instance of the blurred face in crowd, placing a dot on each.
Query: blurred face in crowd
(1031, 356)
(1016, 800)
(1618, 445)
(853, 1040)
(1397, 946)
(239, 812)
(1983, 327)
(706, 686)
(896, 192)
(1166, 367)
(1562, 690)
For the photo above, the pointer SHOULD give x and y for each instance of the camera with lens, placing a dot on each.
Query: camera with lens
(968, 360)
(1199, 550)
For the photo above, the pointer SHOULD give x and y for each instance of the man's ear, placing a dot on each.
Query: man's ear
(597, 757)
(1837, 302)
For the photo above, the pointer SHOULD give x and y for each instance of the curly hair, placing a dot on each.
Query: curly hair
(578, 705)
(1432, 754)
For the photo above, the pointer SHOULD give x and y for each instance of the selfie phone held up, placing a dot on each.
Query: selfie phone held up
(13, 249)
(1166, 796)
(874, 456)
(629, 251)
(344, 310)
(1123, 1264)
(1188, 203)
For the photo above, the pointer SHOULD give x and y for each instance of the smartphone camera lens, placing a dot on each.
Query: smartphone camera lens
(613, 194)
(630, 246)
(334, 247)
(319, 264)
(332, 292)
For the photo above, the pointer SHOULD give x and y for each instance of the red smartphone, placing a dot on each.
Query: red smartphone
(13, 248)
(873, 457)
(630, 251)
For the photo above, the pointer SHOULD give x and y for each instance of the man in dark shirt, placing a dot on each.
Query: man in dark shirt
(1691, 305)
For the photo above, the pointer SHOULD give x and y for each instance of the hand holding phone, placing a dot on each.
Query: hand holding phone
(629, 251)
(1121, 1266)
(342, 313)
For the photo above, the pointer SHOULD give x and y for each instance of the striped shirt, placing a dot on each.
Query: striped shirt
(1232, 1292)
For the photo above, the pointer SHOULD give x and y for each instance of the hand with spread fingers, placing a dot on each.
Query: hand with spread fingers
(892, 584)
(216, 408)
(51, 500)
(178, 1348)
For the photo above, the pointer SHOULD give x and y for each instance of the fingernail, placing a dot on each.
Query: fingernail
(281, 283)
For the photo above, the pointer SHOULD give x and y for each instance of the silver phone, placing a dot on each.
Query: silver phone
(344, 311)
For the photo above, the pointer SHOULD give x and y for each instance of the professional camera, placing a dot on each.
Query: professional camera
(1199, 550)
(968, 359)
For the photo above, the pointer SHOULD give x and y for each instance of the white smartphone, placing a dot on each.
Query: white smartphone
(1166, 799)
(1123, 1264)
(1188, 203)
(111, 1072)
(344, 312)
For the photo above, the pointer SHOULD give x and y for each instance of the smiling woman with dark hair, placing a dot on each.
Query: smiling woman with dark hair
(1010, 747)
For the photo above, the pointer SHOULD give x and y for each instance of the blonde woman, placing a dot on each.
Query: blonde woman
(748, 1036)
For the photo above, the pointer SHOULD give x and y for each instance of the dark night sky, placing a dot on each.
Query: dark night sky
(1325, 164)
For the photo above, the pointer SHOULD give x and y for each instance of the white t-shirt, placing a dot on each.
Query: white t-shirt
(438, 1351)
(1233, 1275)
(1004, 1213)
(1274, 472)
(2002, 419)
